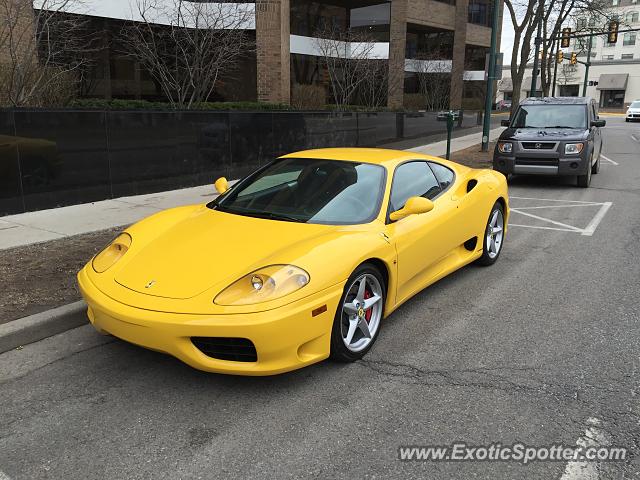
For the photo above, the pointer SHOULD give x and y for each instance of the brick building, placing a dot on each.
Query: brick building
(411, 36)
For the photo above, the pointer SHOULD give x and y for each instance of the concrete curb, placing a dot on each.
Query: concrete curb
(42, 325)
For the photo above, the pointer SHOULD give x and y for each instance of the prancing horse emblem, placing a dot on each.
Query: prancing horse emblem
(361, 312)
(150, 284)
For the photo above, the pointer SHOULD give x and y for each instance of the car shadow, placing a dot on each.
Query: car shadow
(542, 182)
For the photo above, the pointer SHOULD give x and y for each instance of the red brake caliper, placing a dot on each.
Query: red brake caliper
(367, 314)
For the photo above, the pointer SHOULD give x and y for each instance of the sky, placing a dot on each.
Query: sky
(506, 42)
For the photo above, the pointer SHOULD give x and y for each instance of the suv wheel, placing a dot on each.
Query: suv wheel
(585, 180)
(595, 168)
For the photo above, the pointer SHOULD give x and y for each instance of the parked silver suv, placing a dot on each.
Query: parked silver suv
(551, 136)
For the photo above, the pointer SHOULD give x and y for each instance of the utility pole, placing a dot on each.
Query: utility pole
(555, 74)
(587, 64)
(491, 76)
(536, 59)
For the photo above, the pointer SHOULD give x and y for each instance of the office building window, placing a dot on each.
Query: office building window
(627, 56)
(607, 57)
(631, 17)
(629, 39)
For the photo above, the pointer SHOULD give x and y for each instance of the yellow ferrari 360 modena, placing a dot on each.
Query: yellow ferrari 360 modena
(297, 262)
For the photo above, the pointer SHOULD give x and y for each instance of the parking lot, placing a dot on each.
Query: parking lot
(541, 348)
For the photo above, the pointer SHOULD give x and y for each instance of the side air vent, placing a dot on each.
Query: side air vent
(471, 244)
(471, 184)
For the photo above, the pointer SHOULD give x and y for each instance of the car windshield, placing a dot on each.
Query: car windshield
(550, 116)
(308, 190)
(635, 105)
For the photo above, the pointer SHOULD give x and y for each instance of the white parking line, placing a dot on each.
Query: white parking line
(593, 437)
(589, 230)
(609, 160)
(593, 224)
(560, 206)
(4, 476)
(541, 228)
(560, 224)
(556, 200)
(633, 137)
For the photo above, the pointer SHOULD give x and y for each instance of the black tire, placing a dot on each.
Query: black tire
(626, 119)
(339, 351)
(595, 168)
(583, 181)
(488, 257)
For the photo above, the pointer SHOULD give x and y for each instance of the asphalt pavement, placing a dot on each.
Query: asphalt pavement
(541, 348)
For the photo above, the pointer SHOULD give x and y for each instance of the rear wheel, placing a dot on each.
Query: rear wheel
(493, 236)
(359, 315)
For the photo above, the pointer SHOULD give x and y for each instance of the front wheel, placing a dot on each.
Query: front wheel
(595, 168)
(585, 180)
(359, 315)
(493, 236)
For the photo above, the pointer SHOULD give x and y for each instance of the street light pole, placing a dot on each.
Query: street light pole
(536, 59)
(491, 76)
(555, 74)
(587, 64)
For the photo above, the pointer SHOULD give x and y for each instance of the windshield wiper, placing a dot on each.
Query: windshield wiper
(261, 214)
(560, 126)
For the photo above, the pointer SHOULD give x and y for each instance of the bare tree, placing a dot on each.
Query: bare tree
(434, 80)
(523, 19)
(187, 46)
(373, 90)
(526, 16)
(347, 56)
(44, 48)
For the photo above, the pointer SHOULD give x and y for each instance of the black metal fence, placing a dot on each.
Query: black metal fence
(51, 158)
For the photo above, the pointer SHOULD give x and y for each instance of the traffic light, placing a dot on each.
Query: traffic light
(574, 58)
(566, 34)
(613, 31)
(559, 56)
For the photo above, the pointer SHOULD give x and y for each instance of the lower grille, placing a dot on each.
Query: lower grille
(225, 348)
(537, 161)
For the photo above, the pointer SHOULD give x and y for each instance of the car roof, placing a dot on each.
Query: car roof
(556, 100)
(380, 156)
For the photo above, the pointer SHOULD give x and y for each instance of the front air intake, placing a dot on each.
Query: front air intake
(226, 348)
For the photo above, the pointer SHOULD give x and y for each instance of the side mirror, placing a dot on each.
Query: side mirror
(598, 123)
(221, 185)
(505, 123)
(414, 206)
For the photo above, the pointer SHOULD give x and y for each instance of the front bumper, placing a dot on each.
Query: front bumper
(286, 338)
(533, 163)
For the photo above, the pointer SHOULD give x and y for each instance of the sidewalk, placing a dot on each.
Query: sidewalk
(43, 225)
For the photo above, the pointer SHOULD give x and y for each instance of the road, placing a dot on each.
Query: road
(541, 348)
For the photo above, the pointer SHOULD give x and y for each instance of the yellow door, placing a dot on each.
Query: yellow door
(423, 240)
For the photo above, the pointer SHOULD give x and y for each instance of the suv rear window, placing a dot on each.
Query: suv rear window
(550, 116)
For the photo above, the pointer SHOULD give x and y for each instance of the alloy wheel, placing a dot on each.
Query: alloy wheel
(495, 233)
(361, 312)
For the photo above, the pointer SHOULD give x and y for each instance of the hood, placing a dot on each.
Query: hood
(633, 110)
(209, 248)
(543, 134)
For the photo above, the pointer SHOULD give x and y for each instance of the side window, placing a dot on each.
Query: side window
(443, 174)
(413, 179)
